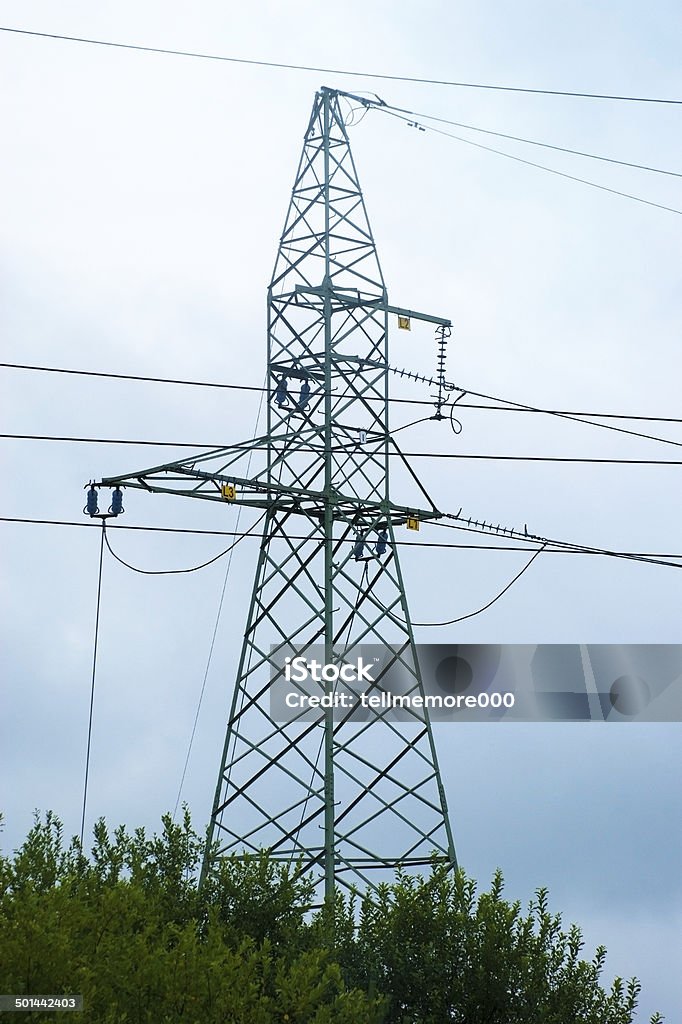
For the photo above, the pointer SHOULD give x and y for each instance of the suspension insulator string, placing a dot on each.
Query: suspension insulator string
(91, 506)
(442, 334)
(304, 397)
(116, 507)
(281, 392)
(359, 547)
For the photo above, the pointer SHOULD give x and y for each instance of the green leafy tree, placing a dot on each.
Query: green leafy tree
(438, 952)
(128, 928)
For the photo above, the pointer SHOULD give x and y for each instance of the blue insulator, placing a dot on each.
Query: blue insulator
(305, 395)
(281, 393)
(382, 542)
(91, 506)
(358, 548)
(116, 506)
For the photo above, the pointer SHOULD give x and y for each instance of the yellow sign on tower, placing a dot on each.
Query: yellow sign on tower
(228, 492)
(412, 524)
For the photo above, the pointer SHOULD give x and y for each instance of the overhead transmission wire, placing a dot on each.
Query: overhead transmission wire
(531, 163)
(511, 406)
(208, 448)
(399, 543)
(135, 377)
(401, 111)
(240, 692)
(520, 406)
(567, 547)
(564, 548)
(216, 625)
(339, 71)
(193, 568)
(396, 430)
(469, 615)
(404, 401)
(92, 682)
(576, 418)
(588, 460)
(530, 142)
(555, 412)
(532, 538)
(483, 608)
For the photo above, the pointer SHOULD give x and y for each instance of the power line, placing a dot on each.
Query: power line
(115, 440)
(337, 71)
(516, 407)
(176, 380)
(471, 615)
(193, 568)
(533, 142)
(395, 455)
(574, 417)
(565, 548)
(216, 624)
(532, 163)
(92, 680)
(563, 412)
(132, 376)
(488, 530)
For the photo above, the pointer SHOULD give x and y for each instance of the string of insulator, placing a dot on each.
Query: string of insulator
(116, 507)
(92, 502)
(91, 506)
(443, 332)
(505, 530)
(360, 543)
(282, 396)
(421, 379)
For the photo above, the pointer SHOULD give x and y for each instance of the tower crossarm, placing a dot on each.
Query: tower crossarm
(256, 493)
(347, 298)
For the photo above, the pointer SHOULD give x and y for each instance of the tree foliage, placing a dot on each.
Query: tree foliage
(128, 928)
(440, 952)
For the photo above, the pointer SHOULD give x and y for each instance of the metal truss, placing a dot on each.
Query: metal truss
(348, 800)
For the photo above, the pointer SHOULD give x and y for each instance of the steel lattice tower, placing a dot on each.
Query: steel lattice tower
(343, 798)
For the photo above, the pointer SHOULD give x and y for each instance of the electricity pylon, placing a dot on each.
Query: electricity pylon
(349, 801)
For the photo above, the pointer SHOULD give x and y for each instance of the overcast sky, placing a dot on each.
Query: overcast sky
(143, 199)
